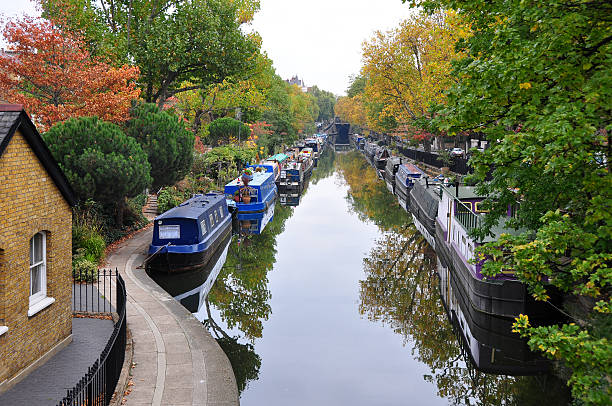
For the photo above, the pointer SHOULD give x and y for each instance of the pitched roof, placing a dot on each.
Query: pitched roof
(13, 117)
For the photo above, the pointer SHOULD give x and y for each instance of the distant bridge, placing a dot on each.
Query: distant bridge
(339, 131)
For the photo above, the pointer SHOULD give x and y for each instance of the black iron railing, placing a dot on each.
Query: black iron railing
(458, 164)
(97, 386)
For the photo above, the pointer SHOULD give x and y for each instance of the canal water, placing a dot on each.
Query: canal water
(338, 303)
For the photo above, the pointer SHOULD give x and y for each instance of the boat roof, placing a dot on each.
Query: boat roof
(259, 179)
(462, 192)
(278, 157)
(194, 207)
(412, 168)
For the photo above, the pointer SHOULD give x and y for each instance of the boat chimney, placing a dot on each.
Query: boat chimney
(457, 188)
(426, 181)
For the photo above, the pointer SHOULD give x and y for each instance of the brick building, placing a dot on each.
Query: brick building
(35, 249)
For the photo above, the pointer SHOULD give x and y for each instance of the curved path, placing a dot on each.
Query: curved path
(176, 361)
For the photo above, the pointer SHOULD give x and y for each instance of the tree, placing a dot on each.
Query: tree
(227, 129)
(172, 42)
(168, 144)
(52, 74)
(536, 79)
(408, 68)
(100, 161)
(326, 101)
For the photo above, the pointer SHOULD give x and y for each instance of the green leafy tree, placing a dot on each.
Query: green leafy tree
(100, 161)
(326, 102)
(536, 80)
(227, 129)
(172, 42)
(168, 144)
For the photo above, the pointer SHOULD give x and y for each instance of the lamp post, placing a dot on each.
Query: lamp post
(239, 117)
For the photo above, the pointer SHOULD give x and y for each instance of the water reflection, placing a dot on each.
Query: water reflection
(358, 317)
(367, 195)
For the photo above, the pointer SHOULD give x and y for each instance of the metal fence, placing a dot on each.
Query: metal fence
(458, 165)
(97, 386)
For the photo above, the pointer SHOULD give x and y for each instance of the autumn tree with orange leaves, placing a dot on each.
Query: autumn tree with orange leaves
(52, 74)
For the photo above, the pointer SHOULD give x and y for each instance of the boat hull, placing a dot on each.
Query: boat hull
(178, 262)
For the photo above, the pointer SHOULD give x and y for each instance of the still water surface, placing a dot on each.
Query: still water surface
(337, 303)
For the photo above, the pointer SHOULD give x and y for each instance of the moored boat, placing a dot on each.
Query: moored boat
(405, 177)
(391, 168)
(292, 175)
(380, 161)
(251, 197)
(185, 237)
(305, 157)
(459, 212)
(424, 198)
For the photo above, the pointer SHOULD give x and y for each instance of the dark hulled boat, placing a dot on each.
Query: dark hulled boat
(405, 177)
(185, 237)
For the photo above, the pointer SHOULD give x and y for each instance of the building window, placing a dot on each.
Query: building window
(38, 265)
(478, 209)
(38, 274)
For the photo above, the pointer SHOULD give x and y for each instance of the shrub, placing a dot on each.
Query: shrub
(168, 198)
(168, 144)
(100, 161)
(87, 238)
(222, 130)
(84, 270)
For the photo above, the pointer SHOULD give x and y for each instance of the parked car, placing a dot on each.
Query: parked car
(457, 152)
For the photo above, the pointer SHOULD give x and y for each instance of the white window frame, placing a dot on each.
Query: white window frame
(39, 300)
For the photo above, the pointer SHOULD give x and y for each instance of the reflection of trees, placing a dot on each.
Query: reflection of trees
(400, 290)
(243, 358)
(240, 292)
(368, 195)
(325, 166)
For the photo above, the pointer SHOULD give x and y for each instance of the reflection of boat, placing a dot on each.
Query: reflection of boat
(290, 197)
(192, 287)
(405, 177)
(186, 236)
(489, 340)
(255, 224)
(262, 192)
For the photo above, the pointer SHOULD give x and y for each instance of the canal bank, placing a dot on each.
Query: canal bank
(175, 359)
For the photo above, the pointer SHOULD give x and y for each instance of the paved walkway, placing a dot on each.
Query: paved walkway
(47, 385)
(177, 362)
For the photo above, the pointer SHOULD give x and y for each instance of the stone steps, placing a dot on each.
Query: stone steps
(150, 210)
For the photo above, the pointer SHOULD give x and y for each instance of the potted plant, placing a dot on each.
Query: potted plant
(245, 194)
(247, 176)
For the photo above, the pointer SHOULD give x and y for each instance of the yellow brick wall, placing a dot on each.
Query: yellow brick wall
(30, 202)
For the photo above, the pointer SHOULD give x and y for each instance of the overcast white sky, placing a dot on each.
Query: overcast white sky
(318, 40)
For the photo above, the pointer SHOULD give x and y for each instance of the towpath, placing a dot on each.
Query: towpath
(176, 362)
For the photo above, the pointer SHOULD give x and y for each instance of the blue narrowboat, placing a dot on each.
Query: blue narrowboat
(405, 177)
(253, 202)
(185, 237)
(269, 167)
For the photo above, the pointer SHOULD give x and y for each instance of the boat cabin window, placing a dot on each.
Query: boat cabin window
(221, 211)
(212, 220)
(203, 226)
(478, 209)
(170, 232)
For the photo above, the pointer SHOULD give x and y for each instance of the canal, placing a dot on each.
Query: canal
(338, 303)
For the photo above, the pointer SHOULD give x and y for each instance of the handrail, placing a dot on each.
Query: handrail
(466, 217)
